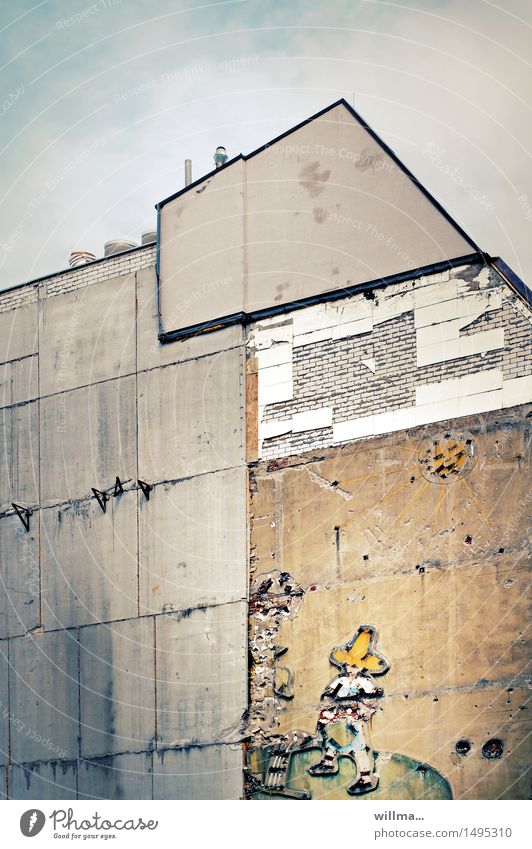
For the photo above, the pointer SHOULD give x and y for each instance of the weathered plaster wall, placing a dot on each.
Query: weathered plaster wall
(122, 633)
(378, 532)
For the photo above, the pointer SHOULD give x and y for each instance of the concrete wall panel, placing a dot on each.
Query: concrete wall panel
(4, 702)
(117, 687)
(19, 334)
(87, 439)
(19, 576)
(193, 542)
(88, 335)
(151, 353)
(44, 696)
(89, 562)
(201, 675)
(205, 772)
(55, 780)
(19, 455)
(116, 777)
(19, 381)
(201, 403)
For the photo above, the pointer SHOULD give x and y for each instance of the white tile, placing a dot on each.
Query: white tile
(353, 429)
(392, 306)
(517, 391)
(436, 313)
(466, 307)
(481, 403)
(352, 328)
(275, 428)
(437, 412)
(438, 352)
(465, 346)
(394, 420)
(314, 318)
(313, 336)
(437, 333)
(275, 393)
(483, 381)
(479, 343)
(435, 293)
(275, 355)
(370, 364)
(312, 420)
(274, 375)
(353, 309)
(263, 336)
(458, 387)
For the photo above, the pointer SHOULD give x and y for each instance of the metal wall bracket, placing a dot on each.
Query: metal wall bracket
(119, 488)
(23, 513)
(102, 497)
(146, 489)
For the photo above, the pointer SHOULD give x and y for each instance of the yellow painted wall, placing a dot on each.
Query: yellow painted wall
(436, 565)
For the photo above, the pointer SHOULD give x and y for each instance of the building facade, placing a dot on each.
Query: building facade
(263, 497)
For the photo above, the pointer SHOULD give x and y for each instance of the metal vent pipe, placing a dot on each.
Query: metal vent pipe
(80, 258)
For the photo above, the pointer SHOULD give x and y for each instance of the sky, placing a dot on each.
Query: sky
(102, 102)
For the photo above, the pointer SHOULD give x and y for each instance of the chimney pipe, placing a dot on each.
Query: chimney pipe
(188, 172)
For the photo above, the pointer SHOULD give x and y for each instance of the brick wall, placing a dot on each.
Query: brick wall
(77, 278)
(349, 372)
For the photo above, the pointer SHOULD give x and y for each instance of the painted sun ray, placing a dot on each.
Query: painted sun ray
(410, 503)
(475, 500)
(441, 498)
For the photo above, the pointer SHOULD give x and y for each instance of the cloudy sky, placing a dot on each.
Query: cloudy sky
(102, 101)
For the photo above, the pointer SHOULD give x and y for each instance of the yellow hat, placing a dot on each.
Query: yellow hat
(360, 653)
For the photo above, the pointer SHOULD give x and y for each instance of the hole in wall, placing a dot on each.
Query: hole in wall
(463, 747)
(492, 749)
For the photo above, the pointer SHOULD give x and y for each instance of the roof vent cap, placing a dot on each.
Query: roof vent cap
(220, 156)
(118, 246)
(80, 258)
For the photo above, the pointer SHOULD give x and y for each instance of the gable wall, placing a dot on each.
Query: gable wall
(322, 209)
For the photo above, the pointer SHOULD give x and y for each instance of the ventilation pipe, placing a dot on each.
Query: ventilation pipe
(220, 156)
(188, 172)
(80, 258)
(118, 246)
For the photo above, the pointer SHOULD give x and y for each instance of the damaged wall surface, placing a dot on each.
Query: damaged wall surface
(426, 350)
(423, 535)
